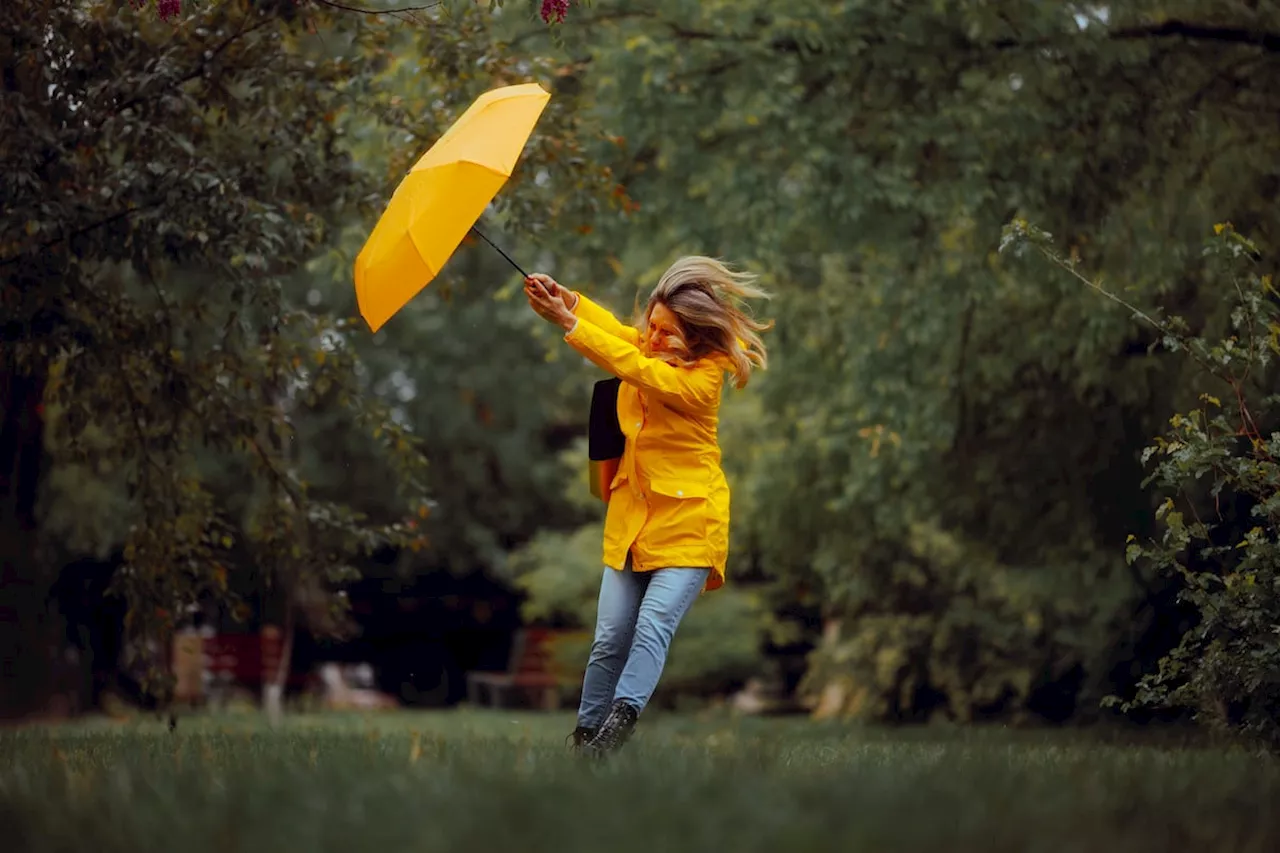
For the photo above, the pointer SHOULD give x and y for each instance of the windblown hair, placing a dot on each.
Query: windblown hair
(708, 299)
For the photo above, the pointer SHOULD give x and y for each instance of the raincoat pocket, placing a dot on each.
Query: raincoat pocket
(680, 516)
(678, 488)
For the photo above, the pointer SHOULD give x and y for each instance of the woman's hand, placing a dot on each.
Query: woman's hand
(564, 294)
(548, 302)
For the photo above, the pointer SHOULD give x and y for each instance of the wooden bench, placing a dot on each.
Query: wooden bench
(532, 668)
(248, 660)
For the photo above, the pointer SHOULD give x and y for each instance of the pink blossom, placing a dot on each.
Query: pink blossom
(169, 9)
(554, 10)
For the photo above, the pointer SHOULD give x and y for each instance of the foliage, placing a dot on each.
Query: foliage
(149, 165)
(167, 188)
(865, 155)
(551, 11)
(466, 363)
(1220, 518)
(944, 458)
(947, 633)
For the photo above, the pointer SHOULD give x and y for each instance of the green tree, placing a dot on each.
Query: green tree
(957, 435)
(466, 363)
(162, 182)
(166, 187)
(1215, 466)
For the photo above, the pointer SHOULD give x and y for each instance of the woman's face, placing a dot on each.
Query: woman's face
(663, 327)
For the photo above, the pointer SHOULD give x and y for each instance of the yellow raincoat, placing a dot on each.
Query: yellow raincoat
(669, 502)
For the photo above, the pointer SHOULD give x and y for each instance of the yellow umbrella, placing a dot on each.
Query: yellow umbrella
(442, 197)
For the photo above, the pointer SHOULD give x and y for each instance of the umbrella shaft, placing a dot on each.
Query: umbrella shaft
(500, 252)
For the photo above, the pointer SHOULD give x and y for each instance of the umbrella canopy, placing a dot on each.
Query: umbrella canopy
(442, 197)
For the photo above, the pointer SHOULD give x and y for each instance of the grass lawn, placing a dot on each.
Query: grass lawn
(491, 781)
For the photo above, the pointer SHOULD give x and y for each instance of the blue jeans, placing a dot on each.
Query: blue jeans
(636, 617)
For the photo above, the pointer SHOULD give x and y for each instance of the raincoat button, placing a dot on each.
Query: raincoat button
(679, 493)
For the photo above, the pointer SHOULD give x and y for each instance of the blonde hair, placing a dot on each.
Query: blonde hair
(707, 298)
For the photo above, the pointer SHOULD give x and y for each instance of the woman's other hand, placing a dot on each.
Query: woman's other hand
(564, 294)
(547, 300)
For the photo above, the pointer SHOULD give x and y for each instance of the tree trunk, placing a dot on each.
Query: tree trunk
(273, 688)
(27, 632)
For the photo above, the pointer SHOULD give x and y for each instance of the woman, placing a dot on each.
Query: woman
(666, 532)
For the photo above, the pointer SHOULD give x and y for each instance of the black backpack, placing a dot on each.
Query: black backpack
(605, 441)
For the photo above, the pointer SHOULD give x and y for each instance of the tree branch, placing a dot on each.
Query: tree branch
(1268, 41)
(693, 35)
(93, 226)
(332, 4)
(715, 70)
(207, 57)
(280, 477)
(962, 397)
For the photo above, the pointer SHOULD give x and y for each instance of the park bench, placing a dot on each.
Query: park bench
(531, 668)
(247, 660)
